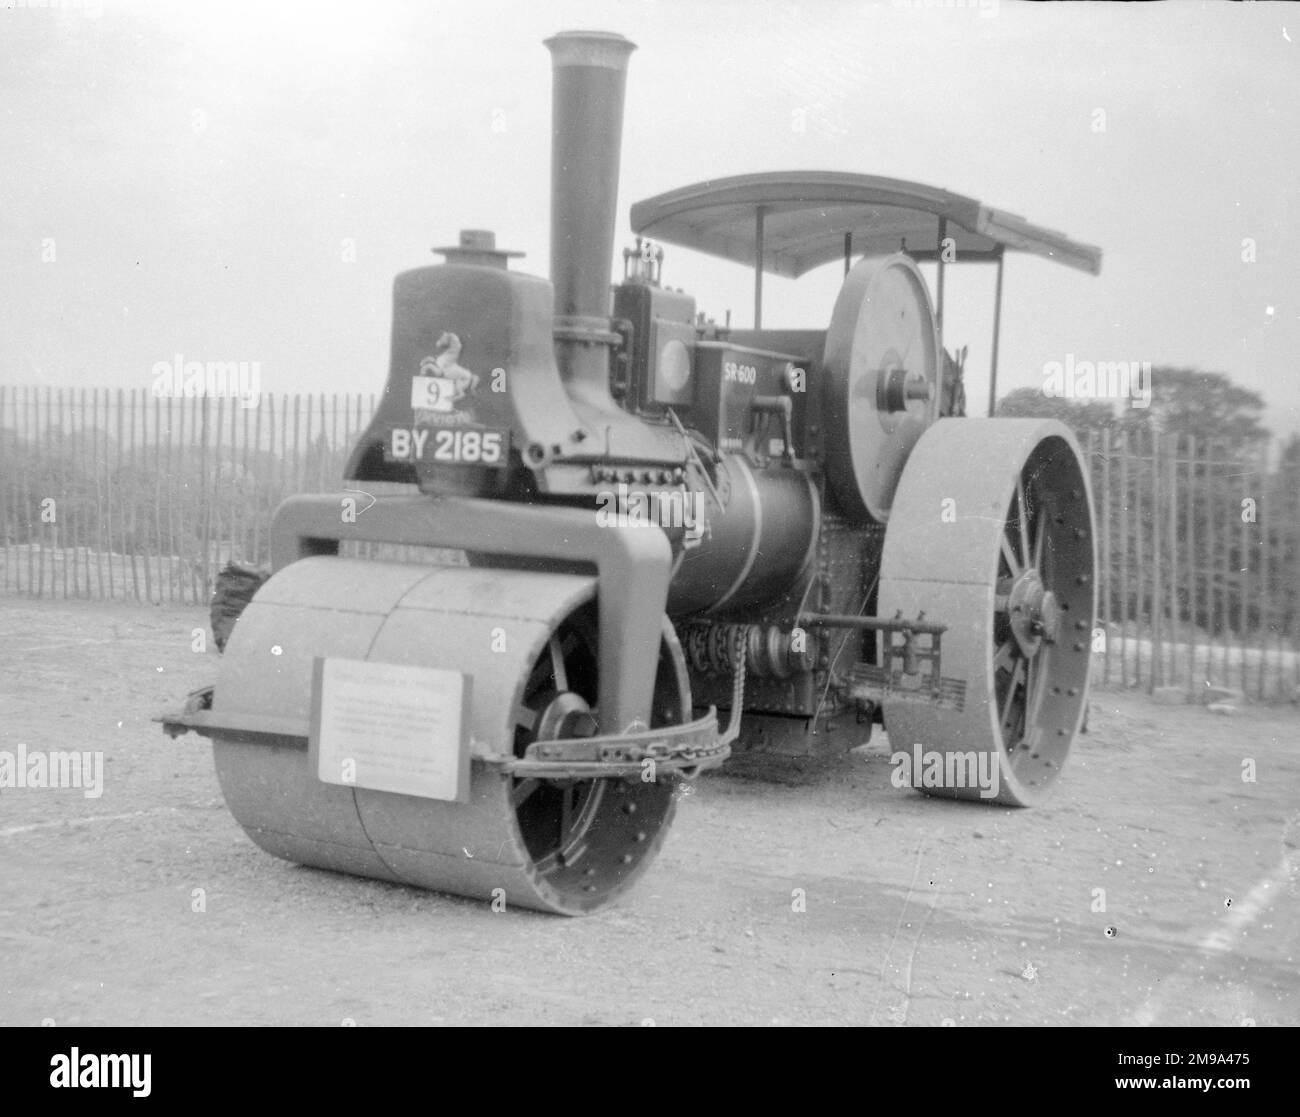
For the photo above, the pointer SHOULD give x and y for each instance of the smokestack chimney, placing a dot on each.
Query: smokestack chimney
(589, 78)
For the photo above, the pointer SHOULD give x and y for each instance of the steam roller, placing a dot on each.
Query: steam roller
(633, 525)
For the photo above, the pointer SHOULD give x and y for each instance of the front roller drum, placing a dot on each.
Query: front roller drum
(529, 643)
(992, 535)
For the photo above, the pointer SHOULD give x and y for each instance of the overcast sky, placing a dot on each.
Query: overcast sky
(195, 169)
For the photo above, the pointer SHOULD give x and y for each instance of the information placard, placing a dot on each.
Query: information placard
(391, 727)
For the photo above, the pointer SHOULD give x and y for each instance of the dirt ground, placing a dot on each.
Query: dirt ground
(918, 911)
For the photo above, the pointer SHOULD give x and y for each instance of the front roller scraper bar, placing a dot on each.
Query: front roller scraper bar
(691, 748)
(564, 839)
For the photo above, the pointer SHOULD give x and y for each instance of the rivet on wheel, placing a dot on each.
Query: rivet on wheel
(640, 835)
(1078, 647)
(1082, 580)
(627, 859)
(1061, 733)
(1074, 690)
(590, 872)
(589, 888)
(1079, 533)
(629, 808)
(1081, 625)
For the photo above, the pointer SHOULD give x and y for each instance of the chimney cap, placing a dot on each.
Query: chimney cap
(477, 246)
(606, 49)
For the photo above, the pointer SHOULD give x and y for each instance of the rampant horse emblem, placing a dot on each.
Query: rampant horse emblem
(442, 385)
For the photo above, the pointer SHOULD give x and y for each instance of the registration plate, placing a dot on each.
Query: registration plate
(464, 445)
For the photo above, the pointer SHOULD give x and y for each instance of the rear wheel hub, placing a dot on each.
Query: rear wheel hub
(1032, 611)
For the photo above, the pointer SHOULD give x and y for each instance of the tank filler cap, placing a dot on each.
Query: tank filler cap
(478, 248)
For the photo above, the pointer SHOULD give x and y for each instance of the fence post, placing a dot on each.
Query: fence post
(1107, 559)
(65, 483)
(1123, 555)
(40, 447)
(1171, 491)
(1193, 614)
(27, 491)
(5, 521)
(242, 489)
(133, 530)
(1157, 569)
(1243, 579)
(284, 482)
(1212, 627)
(1139, 469)
(255, 478)
(157, 492)
(75, 443)
(174, 586)
(336, 473)
(297, 457)
(1263, 613)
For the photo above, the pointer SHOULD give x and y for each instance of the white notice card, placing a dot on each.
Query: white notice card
(390, 727)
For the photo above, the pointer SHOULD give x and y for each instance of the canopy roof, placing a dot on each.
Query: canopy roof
(806, 216)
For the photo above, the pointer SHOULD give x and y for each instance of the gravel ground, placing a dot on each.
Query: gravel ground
(918, 912)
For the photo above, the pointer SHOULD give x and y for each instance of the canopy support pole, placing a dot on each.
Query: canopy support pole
(997, 330)
(938, 309)
(759, 213)
(848, 252)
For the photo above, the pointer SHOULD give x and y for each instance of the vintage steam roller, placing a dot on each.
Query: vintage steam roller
(660, 518)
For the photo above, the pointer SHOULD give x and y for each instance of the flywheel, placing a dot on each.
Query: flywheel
(992, 535)
(882, 376)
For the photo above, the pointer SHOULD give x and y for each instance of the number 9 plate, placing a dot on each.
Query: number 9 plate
(467, 445)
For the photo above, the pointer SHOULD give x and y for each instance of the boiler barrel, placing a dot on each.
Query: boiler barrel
(755, 547)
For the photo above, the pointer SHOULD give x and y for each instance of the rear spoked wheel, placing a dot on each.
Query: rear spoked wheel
(1011, 572)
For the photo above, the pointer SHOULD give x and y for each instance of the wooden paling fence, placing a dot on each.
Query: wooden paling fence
(113, 494)
(1199, 579)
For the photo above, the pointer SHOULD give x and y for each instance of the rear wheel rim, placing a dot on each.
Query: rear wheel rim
(1044, 577)
(1007, 565)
